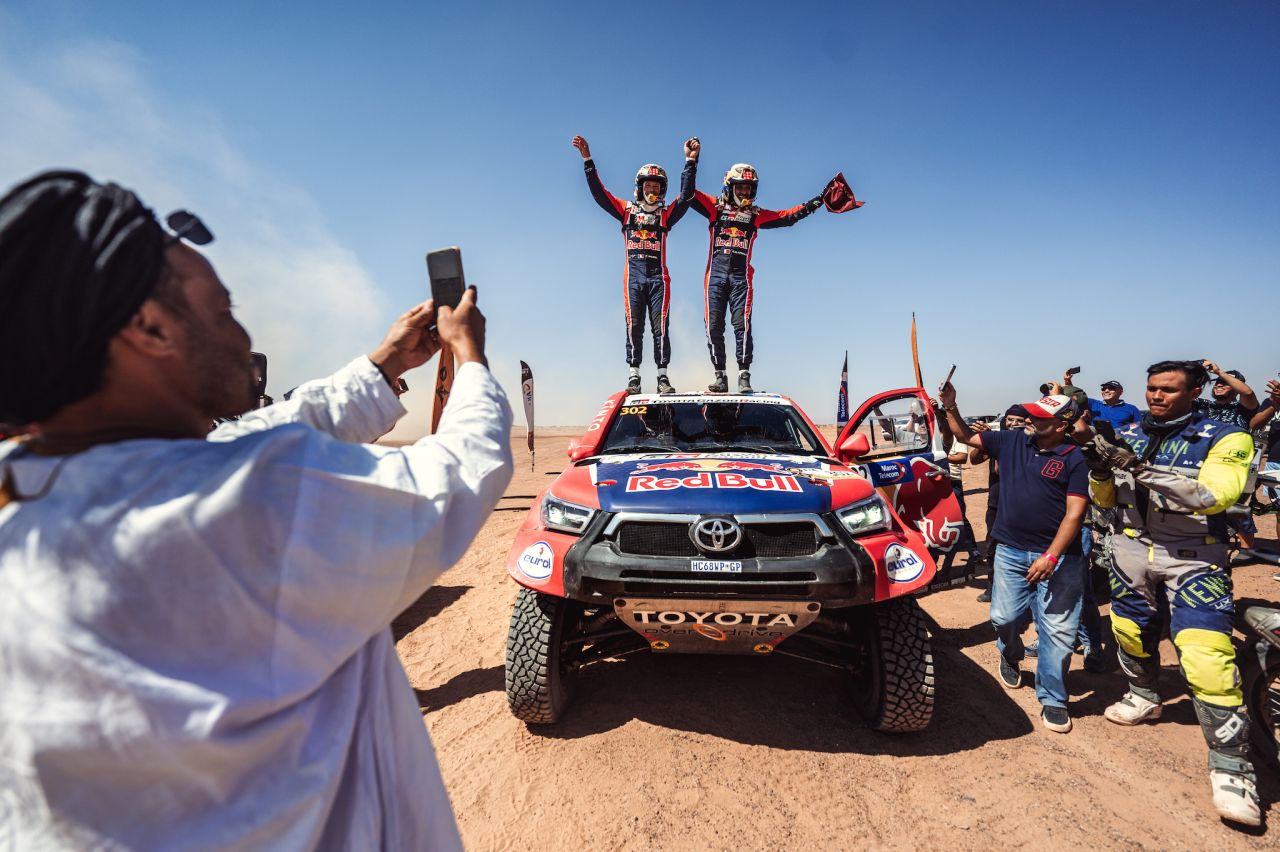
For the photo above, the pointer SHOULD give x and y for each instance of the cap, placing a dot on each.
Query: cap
(1078, 394)
(1112, 385)
(1235, 373)
(1054, 405)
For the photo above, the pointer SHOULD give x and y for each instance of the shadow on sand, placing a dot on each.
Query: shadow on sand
(432, 602)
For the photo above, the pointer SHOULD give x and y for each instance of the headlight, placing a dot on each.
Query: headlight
(871, 515)
(564, 516)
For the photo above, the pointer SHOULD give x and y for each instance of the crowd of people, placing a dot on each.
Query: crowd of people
(1162, 494)
(190, 659)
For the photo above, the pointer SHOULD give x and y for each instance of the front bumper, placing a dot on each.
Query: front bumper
(838, 572)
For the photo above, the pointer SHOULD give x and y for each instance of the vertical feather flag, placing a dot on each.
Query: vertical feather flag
(915, 351)
(444, 385)
(842, 397)
(526, 389)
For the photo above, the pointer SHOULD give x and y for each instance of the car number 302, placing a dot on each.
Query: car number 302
(715, 565)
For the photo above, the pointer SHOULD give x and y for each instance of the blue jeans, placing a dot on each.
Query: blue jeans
(1090, 618)
(1054, 604)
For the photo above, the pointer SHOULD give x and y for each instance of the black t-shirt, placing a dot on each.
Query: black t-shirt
(1232, 412)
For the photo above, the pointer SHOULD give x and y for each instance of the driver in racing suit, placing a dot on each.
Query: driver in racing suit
(734, 220)
(646, 285)
(1170, 486)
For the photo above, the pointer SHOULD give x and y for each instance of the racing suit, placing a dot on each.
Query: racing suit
(728, 281)
(646, 285)
(1171, 547)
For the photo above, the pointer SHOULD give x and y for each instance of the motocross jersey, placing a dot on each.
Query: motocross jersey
(1189, 480)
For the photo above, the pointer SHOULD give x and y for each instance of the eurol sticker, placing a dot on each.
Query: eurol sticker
(537, 561)
(902, 563)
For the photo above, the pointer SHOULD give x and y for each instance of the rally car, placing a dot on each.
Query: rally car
(723, 524)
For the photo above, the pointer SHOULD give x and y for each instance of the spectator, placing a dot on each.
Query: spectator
(1014, 419)
(196, 652)
(1266, 425)
(1179, 472)
(1111, 408)
(1233, 402)
(1039, 567)
(957, 455)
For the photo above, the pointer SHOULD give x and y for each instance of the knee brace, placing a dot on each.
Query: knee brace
(1209, 664)
(1226, 730)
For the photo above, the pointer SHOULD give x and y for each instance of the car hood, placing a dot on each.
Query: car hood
(729, 483)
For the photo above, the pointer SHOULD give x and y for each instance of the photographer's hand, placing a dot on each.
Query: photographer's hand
(409, 342)
(462, 329)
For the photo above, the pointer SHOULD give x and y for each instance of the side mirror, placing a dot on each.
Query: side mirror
(579, 449)
(854, 446)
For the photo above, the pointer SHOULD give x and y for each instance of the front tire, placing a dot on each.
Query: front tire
(539, 682)
(893, 685)
(1262, 697)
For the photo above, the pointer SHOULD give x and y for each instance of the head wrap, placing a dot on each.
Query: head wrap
(1016, 410)
(77, 260)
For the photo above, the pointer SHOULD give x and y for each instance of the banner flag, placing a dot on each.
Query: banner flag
(842, 397)
(526, 389)
(915, 351)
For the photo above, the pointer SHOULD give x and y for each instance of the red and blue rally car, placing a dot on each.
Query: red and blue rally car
(715, 523)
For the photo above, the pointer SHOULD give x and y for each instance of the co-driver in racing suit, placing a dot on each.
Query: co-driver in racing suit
(646, 285)
(1169, 488)
(734, 219)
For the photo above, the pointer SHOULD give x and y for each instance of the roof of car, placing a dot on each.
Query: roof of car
(701, 398)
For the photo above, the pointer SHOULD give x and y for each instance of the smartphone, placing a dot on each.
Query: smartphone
(1073, 371)
(950, 373)
(444, 267)
(259, 362)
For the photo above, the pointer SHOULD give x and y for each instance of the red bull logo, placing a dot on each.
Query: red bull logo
(721, 480)
(671, 465)
(644, 235)
(735, 233)
(747, 465)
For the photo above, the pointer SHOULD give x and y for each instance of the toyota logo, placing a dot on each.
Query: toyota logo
(716, 535)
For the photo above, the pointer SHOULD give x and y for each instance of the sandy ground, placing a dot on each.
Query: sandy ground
(690, 752)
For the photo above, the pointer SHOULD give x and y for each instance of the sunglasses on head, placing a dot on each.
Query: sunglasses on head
(186, 225)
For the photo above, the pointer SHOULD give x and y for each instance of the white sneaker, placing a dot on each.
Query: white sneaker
(1132, 709)
(1235, 797)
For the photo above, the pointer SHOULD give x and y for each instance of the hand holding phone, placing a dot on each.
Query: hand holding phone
(444, 267)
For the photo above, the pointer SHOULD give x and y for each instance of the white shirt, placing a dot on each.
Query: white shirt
(194, 649)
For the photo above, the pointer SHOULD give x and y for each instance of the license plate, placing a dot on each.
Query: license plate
(715, 565)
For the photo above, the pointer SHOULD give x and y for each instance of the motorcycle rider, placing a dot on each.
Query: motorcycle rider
(1169, 486)
(645, 222)
(734, 220)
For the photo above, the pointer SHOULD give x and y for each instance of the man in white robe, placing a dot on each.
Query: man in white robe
(194, 642)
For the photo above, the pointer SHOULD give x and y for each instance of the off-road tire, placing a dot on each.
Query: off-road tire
(539, 686)
(1263, 704)
(896, 692)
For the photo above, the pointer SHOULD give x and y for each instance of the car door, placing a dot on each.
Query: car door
(905, 461)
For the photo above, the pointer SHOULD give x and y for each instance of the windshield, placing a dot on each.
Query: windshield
(711, 427)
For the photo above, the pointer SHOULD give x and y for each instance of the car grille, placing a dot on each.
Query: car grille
(775, 584)
(758, 541)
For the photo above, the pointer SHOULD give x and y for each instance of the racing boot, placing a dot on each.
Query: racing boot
(664, 384)
(721, 384)
(1235, 792)
(744, 382)
(1141, 703)
(1235, 797)
(1133, 709)
(633, 383)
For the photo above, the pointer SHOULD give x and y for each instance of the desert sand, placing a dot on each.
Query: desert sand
(703, 752)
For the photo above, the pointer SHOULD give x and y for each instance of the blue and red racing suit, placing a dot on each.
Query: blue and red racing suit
(646, 285)
(728, 281)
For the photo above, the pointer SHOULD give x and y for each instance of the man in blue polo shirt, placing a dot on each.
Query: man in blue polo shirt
(1112, 409)
(1039, 567)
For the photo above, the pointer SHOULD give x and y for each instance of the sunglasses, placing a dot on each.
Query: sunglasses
(187, 226)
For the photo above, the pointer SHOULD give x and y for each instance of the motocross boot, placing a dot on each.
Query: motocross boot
(633, 384)
(721, 384)
(744, 382)
(664, 384)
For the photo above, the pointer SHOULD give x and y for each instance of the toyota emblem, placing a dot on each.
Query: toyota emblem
(716, 535)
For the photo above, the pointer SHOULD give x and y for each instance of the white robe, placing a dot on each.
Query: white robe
(194, 643)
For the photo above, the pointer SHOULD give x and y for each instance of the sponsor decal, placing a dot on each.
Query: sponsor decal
(817, 474)
(723, 619)
(713, 633)
(537, 560)
(708, 479)
(888, 472)
(902, 563)
(715, 565)
(602, 417)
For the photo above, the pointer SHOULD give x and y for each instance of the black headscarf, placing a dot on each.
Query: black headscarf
(77, 260)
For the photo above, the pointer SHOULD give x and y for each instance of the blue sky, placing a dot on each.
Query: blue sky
(1047, 184)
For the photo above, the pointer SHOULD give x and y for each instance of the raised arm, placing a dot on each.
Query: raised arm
(688, 183)
(787, 218)
(965, 435)
(1247, 397)
(608, 202)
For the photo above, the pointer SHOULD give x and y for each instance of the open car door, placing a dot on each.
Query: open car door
(904, 460)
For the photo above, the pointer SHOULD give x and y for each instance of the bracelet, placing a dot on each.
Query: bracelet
(951, 407)
(1053, 560)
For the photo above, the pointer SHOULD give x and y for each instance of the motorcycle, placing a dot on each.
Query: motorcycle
(1260, 674)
